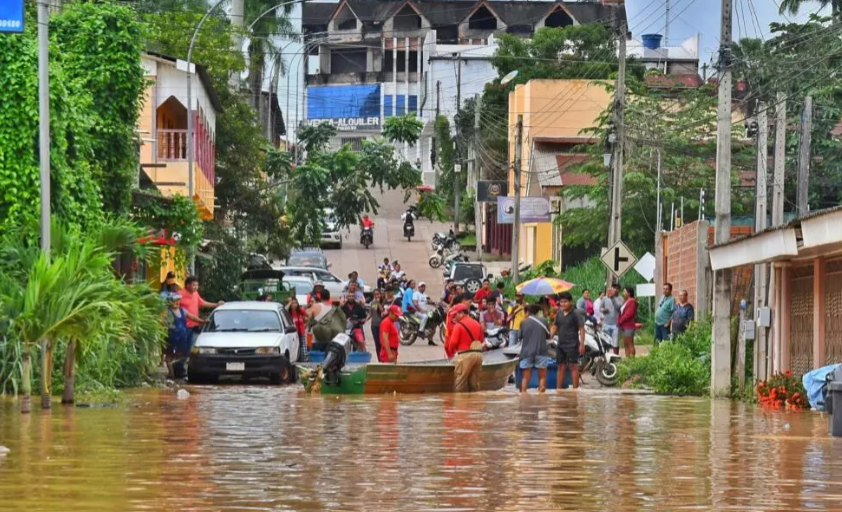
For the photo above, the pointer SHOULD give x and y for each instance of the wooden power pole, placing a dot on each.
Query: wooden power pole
(802, 201)
(720, 381)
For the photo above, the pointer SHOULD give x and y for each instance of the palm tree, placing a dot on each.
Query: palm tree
(793, 6)
(262, 44)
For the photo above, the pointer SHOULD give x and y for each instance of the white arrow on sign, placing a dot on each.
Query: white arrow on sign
(619, 259)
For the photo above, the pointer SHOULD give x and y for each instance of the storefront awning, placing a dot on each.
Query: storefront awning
(766, 246)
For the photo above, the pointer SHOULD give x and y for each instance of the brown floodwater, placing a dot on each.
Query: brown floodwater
(254, 448)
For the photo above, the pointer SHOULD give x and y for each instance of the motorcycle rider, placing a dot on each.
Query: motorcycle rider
(397, 273)
(406, 302)
(356, 316)
(420, 300)
(366, 223)
(408, 219)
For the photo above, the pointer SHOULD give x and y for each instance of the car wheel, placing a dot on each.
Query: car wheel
(473, 285)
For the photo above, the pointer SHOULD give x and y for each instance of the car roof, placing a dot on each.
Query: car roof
(311, 269)
(307, 250)
(248, 305)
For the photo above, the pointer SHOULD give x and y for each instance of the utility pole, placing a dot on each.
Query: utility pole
(760, 352)
(720, 381)
(516, 225)
(236, 16)
(457, 182)
(801, 201)
(478, 217)
(667, 24)
(619, 115)
(780, 161)
(44, 167)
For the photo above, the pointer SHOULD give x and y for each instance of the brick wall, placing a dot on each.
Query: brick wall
(686, 263)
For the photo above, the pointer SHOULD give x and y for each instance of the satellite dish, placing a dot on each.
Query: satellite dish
(508, 78)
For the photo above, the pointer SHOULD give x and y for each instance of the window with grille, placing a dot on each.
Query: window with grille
(356, 143)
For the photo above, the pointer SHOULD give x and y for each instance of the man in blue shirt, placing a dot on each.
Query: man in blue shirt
(406, 303)
(663, 315)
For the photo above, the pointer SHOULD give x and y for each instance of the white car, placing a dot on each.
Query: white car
(331, 234)
(249, 339)
(303, 287)
(333, 284)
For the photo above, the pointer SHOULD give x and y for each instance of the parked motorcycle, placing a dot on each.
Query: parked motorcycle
(599, 359)
(496, 337)
(366, 236)
(447, 240)
(410, 325)
(456, 257)
(441, 254)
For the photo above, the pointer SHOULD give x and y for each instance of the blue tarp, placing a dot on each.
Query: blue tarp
(814, 383)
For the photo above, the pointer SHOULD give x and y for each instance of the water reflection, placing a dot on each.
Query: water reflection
(262, 448)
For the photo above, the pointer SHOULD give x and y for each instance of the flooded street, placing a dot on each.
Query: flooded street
(261, 448)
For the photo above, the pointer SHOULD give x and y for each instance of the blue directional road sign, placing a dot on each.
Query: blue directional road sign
(11, 15)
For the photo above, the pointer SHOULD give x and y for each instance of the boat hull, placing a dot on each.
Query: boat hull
(429, 377)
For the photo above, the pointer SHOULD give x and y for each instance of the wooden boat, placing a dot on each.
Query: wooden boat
(424, 377)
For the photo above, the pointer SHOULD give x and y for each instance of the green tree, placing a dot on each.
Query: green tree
(99, 46)
(793, 6)
(682, 127)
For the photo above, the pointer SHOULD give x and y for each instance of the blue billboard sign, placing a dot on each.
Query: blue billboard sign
(348, 107)
(11, 15)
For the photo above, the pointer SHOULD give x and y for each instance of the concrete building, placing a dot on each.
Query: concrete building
(162, 127)
(376, 59)
(555, 114)
(804, 290)
(681, 59)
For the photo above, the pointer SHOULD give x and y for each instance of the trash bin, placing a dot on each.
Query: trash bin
(835, 409)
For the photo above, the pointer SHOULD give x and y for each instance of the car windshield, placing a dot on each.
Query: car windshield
(302, 287)
(463, 272)
(245, 320)
(304, 259)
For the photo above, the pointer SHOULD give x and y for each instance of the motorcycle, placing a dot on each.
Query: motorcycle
(448, 241)
(356, 332)
(410, 325)
(440, 255)
(367, 236)
(496, 337)
(408, 219)
(599, 359)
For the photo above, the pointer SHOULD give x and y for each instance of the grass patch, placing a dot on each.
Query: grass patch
(469, 239)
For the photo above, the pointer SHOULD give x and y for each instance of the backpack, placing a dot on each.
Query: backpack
(333, 323)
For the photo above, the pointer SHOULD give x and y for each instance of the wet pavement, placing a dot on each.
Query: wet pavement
(262, 449)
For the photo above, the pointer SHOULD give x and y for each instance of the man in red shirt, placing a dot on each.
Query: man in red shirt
(484, 292)
(389, 340)
(466, 342)
(464, 299)
(366, 222)
(191, 301)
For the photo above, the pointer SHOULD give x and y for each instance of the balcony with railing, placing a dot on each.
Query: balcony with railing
(173, 177)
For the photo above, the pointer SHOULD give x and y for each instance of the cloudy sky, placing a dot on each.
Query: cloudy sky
(688, 17)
